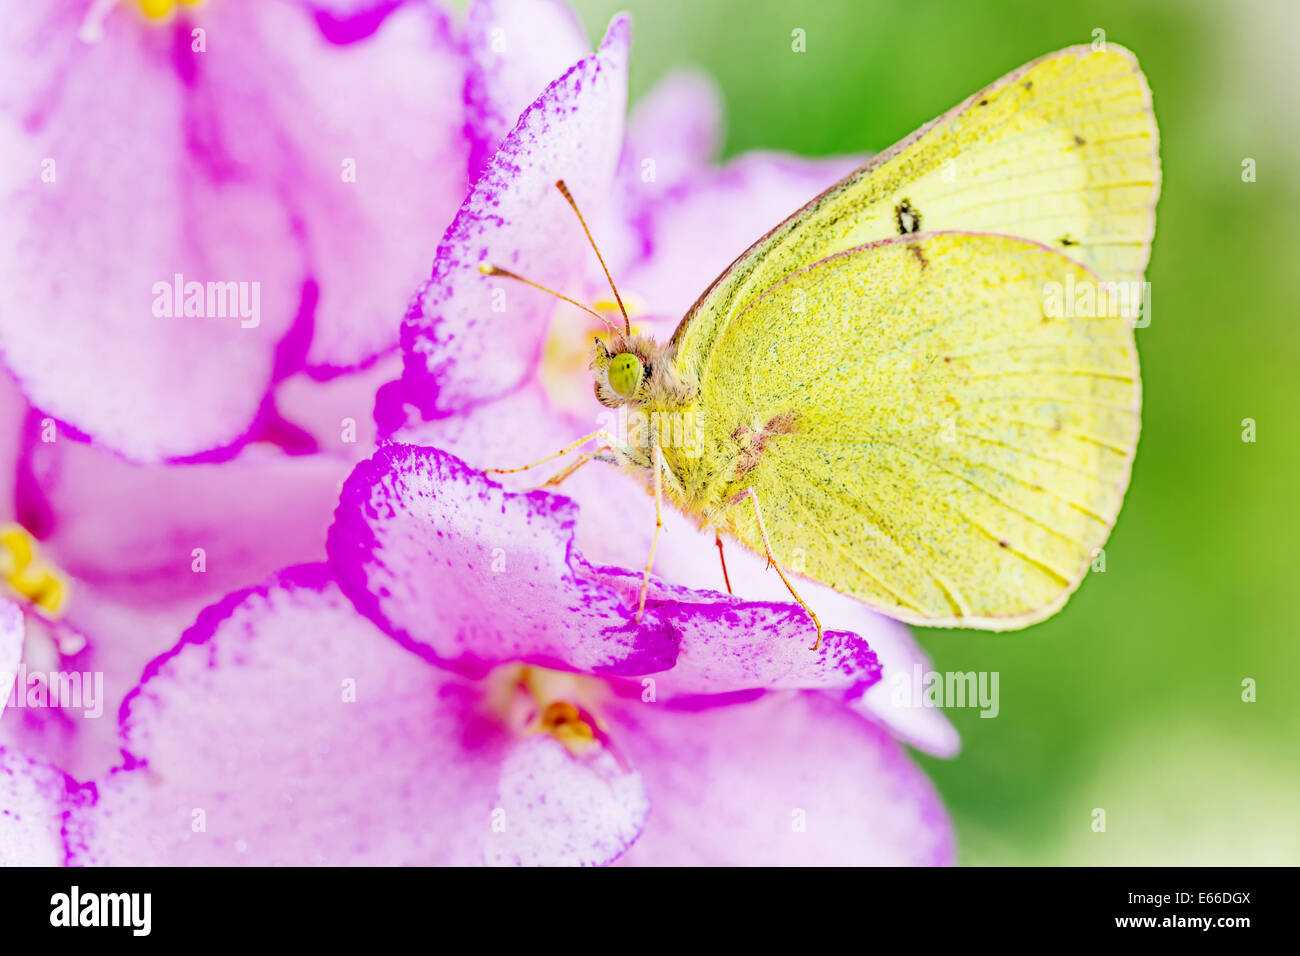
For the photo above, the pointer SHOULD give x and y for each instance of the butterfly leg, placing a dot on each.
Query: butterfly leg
(717, 539)
(657, 463)
(598, 433)
(584, 458)
(772, 562)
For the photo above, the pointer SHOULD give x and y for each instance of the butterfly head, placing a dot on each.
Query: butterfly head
(631, 370)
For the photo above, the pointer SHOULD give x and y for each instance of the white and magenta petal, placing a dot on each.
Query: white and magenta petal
(285, 730)
(727, 644)
(516, 48)
(177, 532)
(33, 799)
(472, 575)
(356, 119)
(97, 144)
(338, 413)
(791, 779)
(467, 337)
(561, 809)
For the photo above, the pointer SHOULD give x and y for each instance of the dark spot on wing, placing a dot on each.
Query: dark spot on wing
(907, 217)
(1079, 140)
(1003, 544)
(984, 102)
(1028, 85)
(1067, 241)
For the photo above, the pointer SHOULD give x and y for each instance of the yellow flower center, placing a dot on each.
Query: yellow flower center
(154, 11)
(162, 9)
(535, 700)
(26, 574)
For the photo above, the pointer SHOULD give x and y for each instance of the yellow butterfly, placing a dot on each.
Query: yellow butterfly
(921, 389)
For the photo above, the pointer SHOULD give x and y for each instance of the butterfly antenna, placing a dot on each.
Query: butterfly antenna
(490, 270)
(568, 197)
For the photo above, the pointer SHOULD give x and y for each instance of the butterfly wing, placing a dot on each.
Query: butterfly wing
(924, 432)
(1063, 151)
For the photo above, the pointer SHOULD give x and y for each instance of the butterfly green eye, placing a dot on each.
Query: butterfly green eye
(625, 374)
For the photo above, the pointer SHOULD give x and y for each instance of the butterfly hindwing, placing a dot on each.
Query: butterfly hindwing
(924, 432)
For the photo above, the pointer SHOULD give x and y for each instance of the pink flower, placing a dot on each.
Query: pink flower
(105, 561)
(471, 576)
(286, 729)
(276, 156)
(464, 680)
(280, 146)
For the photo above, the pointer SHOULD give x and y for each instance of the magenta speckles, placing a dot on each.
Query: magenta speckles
(446, 339)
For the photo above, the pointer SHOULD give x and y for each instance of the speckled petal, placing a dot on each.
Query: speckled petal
(516, 48)
(470, 574)
(33, 799)
(792, 779)
(728, 644)
(285, 730)
(459, 569)
(468, 337)
(558, 809)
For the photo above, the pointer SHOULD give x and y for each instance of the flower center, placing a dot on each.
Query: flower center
(535, 700)
(161, 9)
(564, 722)
(26, 575)
(156, 11)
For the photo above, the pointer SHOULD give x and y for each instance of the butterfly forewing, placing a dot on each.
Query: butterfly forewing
(1063, 151)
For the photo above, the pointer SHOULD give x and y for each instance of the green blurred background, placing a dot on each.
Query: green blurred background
(1131, 699)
